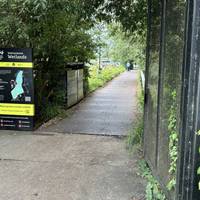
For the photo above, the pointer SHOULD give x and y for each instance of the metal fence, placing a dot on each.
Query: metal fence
(172, 78)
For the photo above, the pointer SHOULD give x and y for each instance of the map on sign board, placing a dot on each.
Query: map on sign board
(18, 88)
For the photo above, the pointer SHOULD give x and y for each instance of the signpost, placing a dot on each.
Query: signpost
(16, 89)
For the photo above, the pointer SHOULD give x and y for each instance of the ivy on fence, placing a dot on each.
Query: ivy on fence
(173, 141)
(198, 170)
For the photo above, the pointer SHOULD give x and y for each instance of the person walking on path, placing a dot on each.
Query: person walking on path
(128, 65)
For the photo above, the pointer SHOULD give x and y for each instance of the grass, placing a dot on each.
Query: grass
(99, 78)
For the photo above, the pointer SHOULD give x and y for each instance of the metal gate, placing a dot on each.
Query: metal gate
(172, 79)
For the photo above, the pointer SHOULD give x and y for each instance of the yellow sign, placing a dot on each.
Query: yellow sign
(17, 64)
(17, 109)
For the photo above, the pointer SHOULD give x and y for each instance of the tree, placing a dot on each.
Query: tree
(58, 31)
(127, 47)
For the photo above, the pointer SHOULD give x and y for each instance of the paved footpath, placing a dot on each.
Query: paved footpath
(49, 165)
(108, 111)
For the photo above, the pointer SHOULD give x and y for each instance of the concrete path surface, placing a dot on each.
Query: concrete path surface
(57, 166)
(107, 111)
(67, 167)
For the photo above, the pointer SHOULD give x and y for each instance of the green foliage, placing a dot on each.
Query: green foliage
(130, 13)
(153, 190)
(198, 173)
(51, 111)
(58, 32)
(127, 47)
(198, 133)
(173, 141)
(198, 170)
(99, 78)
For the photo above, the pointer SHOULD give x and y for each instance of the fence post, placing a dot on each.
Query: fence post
(189, 157)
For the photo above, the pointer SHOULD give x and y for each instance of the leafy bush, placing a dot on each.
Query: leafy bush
(50, 111)
(32, 23)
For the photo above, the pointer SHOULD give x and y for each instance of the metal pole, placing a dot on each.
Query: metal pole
(99, 59)
(189, 158)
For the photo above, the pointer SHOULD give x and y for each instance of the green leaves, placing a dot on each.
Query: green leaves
(127, 46)
(58, 31)
(153, 190)
(171, 184)
(173, 141)
(198, 170)
(198, 133)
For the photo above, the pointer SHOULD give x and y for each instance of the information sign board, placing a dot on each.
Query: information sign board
(16, 89)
